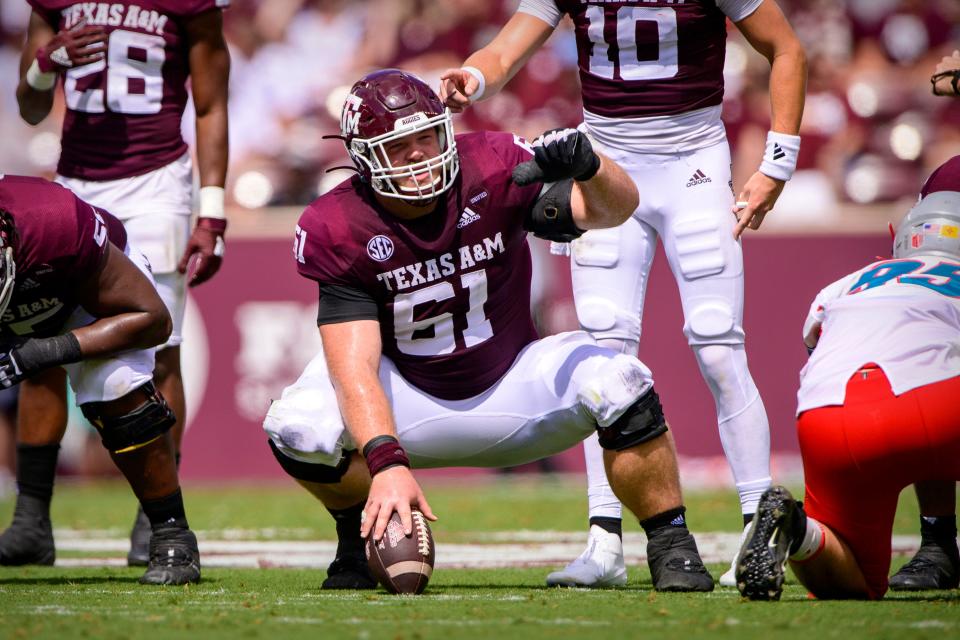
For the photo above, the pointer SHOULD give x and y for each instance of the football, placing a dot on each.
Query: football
(402, 564)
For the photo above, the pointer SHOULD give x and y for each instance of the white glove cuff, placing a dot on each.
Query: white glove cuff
(211, 202)
(780, 155)
(476, 73)
(39, 80)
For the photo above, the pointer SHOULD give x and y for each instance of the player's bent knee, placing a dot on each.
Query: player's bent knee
(310, 472)
(642, 422)
(140, 427)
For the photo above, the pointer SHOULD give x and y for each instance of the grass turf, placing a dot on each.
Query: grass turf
(42, 602)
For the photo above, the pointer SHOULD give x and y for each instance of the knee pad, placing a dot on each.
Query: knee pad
(711, 321)
(143, 425)
(603, 319)
(613, 386)
(308, 472)
(642, 422)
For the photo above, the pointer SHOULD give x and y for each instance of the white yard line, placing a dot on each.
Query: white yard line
(500, 549)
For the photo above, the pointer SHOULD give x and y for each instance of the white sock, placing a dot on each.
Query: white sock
(813, 541)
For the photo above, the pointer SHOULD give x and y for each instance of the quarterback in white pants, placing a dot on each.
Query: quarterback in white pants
(652, 83)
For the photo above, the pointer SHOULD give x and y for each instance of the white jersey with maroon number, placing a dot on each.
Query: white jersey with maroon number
(903, 315)
(651, 70)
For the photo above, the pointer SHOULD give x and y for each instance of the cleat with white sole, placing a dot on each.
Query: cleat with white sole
(729, 578)
(600, 565)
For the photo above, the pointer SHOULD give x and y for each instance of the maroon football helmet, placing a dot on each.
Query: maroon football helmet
(946, 177)
(385, 106)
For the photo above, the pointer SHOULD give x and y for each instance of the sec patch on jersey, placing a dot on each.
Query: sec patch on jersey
(401, 563)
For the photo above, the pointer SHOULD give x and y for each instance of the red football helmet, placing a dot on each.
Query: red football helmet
(385, 106)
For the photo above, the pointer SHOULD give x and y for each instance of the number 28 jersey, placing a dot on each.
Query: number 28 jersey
(123, 112)
(901, 314)
(452, 288)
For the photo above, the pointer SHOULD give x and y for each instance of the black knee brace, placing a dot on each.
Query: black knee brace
(141, 426)
(308, 472)
(642, 422)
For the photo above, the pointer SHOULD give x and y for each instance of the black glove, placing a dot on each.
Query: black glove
(35, 355)
(558, 154)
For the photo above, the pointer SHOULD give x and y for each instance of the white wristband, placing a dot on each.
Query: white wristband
(476, 73)
(780, 155)
(39, 80)
(211, 202)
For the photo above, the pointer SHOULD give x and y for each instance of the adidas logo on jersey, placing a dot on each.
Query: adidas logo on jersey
(468, 216)
(698, 178)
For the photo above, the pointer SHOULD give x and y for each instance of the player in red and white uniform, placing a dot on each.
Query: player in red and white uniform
(124, 67)
(877, 411)
(933, 566)
(651, 73)
(74, 295)
(430, 354)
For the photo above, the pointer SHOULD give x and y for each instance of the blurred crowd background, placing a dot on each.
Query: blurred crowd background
(872, 130)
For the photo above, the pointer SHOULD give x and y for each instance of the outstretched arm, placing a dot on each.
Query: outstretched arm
(494, 64)
(353, 352)
(768, 31)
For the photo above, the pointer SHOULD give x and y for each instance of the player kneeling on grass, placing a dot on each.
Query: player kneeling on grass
(877, 412)
(430, 354)
(74, 294)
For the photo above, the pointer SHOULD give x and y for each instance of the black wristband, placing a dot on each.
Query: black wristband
(592, 171)
(37, 354)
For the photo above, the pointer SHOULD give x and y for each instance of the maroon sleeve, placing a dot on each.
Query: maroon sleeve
(511, 150)
(323, 249)
(46, 10)
(90, 242)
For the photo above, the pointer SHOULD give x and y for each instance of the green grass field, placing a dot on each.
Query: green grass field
(503, 603)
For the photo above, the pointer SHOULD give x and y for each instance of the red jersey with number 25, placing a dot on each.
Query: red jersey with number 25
(453, 287)
(124, 111)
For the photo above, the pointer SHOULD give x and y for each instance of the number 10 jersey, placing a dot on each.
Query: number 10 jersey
(124, 111)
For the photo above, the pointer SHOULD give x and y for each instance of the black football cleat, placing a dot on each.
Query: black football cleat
(139, 554)
(761, 561)
(675, 563)
(932, 567)
(349, 571)
(174, 557)
(29, 539)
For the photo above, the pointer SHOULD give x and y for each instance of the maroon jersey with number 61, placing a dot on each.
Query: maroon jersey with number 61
(453, 287)
(123, 112)
(642, 58)
(60, 244)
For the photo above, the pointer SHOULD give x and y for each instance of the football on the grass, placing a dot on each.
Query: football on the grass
(402, 564)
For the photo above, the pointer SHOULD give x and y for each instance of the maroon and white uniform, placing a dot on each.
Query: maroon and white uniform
(652, 78)
(123, 112)
(469, 383)
(121, 145)
(61, 243)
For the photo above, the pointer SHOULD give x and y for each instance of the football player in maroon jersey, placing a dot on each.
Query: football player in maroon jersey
(74, 295)
(430, 357)
(124, 68)
(651, 73)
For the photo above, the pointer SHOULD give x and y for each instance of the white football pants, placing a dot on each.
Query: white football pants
(685, 200)
(557, 392)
